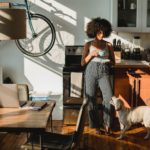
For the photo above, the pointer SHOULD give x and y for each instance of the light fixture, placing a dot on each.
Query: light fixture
(12, 24)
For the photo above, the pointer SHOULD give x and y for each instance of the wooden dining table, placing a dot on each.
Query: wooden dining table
(26, 119)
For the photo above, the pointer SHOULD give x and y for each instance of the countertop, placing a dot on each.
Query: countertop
(131, 64)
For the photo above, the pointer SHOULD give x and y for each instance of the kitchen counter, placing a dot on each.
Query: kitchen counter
(132, 64)
(131, 82)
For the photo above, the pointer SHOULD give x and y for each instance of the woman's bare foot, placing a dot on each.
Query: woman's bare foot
(107, 130)
(97, 131)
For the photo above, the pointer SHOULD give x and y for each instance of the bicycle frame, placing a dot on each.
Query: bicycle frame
(26, 5)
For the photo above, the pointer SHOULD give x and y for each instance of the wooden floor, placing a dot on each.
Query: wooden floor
(90, 141)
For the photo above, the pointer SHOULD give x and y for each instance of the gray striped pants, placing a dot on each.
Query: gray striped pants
(97, 73)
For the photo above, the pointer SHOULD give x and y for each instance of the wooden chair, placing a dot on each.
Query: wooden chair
(23, 92)
(56, 141)
(13, 95)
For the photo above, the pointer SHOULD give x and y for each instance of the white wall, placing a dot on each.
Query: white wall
(45, 73)
(128, 38)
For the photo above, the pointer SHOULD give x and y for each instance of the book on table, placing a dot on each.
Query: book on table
(35, 105)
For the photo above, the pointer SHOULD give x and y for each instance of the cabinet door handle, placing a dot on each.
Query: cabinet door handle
(137, 91)
(133, 92)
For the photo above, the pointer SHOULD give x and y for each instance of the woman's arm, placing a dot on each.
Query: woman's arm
(86, 56)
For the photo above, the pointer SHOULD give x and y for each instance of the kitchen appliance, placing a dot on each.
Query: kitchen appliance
(125, 53)
(136, 42)
(73, 56)
(136, 51)
(136, 54)
(147, 52)
(71, 105)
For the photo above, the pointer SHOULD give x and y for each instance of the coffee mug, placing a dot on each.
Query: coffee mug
(102, 53)
(133, 6)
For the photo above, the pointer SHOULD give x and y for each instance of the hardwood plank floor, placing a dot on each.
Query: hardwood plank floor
(90, 140)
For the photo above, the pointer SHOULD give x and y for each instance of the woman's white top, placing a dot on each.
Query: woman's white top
(103, 54)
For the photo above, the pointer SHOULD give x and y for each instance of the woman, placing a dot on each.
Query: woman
(98, 55)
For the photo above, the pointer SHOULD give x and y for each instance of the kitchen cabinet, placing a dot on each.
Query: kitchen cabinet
(123, 86)
(131, 15)
(132, 86)
(146, 16)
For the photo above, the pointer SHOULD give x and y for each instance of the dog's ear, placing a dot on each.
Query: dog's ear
(119, 105)
(114, 98)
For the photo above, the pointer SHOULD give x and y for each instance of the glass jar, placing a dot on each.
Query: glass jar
(136, 42)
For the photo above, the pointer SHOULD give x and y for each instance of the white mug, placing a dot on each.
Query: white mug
(102, 53)
(132, 6)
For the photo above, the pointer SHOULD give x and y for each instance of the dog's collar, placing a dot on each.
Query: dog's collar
(118, 109)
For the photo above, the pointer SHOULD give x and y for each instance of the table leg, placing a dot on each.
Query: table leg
(41, 142)
(51, 123)
(32, 138)
(137, 91)
(132, 92)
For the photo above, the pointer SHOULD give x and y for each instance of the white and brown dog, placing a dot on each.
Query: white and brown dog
(130, 116)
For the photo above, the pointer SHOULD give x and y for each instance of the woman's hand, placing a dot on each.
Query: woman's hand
(94, 53)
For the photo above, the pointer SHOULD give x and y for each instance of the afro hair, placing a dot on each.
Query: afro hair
(96, 25)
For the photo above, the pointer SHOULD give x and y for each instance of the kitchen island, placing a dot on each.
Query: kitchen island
(132, 82)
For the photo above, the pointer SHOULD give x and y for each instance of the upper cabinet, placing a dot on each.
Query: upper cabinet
(146, 15)
(131, 15)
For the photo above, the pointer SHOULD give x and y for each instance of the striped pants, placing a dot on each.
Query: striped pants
(97, 73)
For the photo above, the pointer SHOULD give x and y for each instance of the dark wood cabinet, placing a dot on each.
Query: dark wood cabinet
(132, 86)
(144, 90)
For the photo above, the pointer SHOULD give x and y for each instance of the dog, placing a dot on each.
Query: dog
(129, 116)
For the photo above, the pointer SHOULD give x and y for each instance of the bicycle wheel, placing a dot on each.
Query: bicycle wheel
(44, 39)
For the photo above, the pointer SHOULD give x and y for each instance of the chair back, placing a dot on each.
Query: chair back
(23, 92)
(9, 96)
(80, 123)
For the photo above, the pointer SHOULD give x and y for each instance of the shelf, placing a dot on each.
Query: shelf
(131, 10)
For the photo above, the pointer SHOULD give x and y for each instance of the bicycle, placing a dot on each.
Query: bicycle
(41, 33)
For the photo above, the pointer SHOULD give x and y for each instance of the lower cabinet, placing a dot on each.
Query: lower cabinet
(132, 86)
(144, 95)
